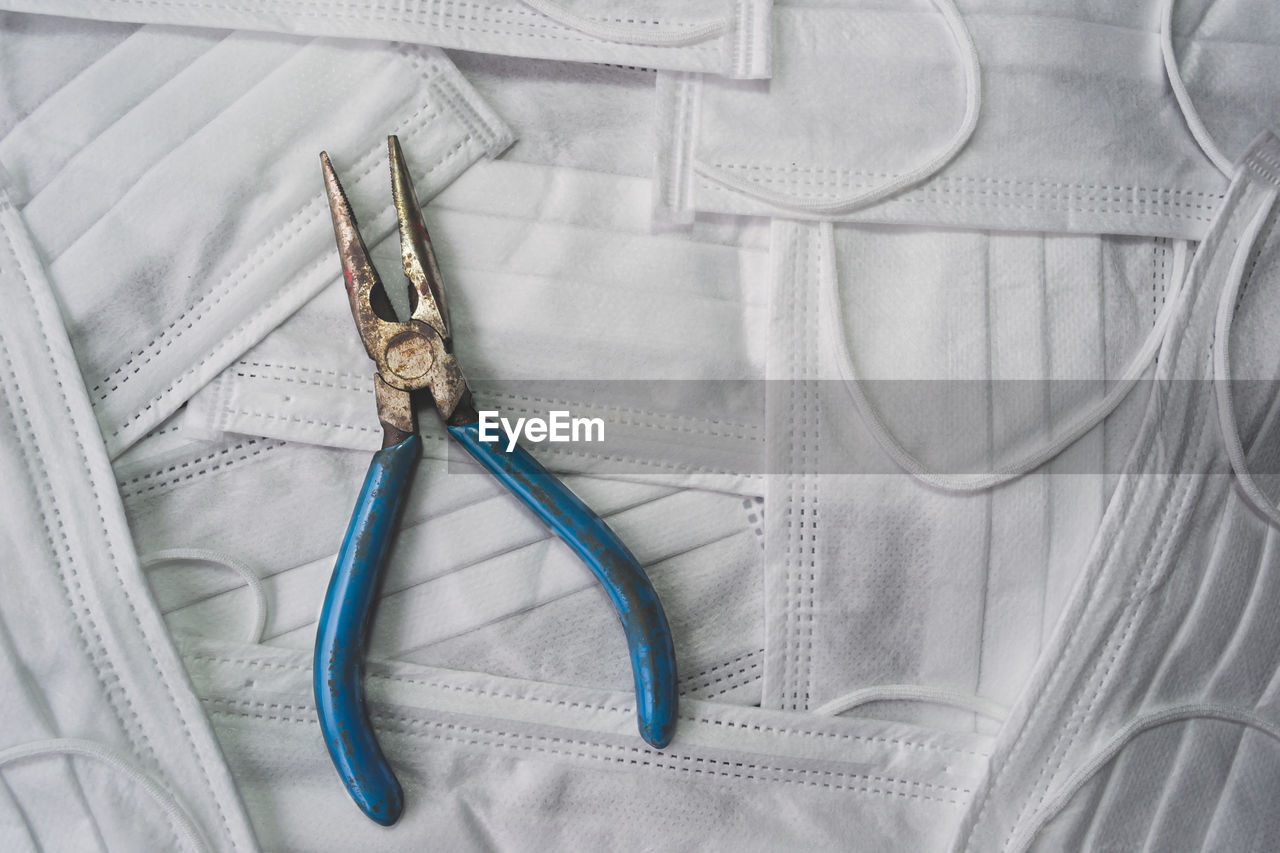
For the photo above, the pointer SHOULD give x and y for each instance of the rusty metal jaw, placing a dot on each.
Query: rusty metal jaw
(415, 354)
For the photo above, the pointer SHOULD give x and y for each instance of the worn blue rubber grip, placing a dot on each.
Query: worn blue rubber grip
(344, 627)
(653, 658)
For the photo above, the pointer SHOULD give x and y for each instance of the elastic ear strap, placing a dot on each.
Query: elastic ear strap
(1120, 740)
(1189, 113)
(633, 33)
(846, 204)
(114, 759)
(217, 558)
(914, 693)
(1222, 368)
(1077, 427)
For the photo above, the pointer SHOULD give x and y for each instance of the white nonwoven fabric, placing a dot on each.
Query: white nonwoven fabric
(729, 37)
(543, 265)
(890, 597)
(579, 115)
(104, 746)
(169, 180)
(490, 763)
(1150, 720)
(473, 580)
(1068, 122)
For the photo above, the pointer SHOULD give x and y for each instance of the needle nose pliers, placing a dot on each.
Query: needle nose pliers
(413, 357)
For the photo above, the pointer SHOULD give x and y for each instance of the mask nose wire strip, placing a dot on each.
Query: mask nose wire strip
(119, 762)
(1222, 371)
(914, 693)
(972, 106)
(634, 34)
(1076, 428)
(200, 555)
(1121, 739)
(1180, 94)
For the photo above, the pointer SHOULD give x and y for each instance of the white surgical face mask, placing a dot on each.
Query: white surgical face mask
(580, 115)
(542, 265)
(881, 587)
(171, 185)
(466, 744)
(104, 746)
(473, 582)
(1174, 617)
(494, 763)
(729, 37)
(492, 675)
(865, 102)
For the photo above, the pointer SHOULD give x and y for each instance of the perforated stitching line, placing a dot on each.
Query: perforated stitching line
(140, 478)
(673, 467)
(39, 477)
(410, 723)
(678, 182)
(431, 69)
(309, 421)
(474, 11)
(1044, 202)
(740, 677)
(793, 496)
(1061, 740)
(973, 179)
(1265, 166)
(106, 534)
(232, 339)
(1133, 606)
(638, 414)
(258, 663)
(311, 210)
(297, 380)
(464, 108)
(748, 32)
(1138, 195)
(267, 445)
(722, 665)
(1140, 490)
(813, 335)
(1142, 486)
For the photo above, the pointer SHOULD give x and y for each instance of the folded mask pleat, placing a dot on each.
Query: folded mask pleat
(468, 566)
(120, 158)
(161, 284)
(40, 54)
(859, 96)
(1012, 336)
(718, 36)
(535, 301)
(42, 148)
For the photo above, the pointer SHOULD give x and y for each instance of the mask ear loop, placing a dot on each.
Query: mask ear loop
(251, 579)
(1121, 739)
(914, 693)
(117, 761)
(1180, 94)
(972, 106)
(1222, 370)
(1076, 428)
(634, 34)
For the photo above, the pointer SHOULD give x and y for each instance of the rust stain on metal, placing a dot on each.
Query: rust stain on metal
(411, 355)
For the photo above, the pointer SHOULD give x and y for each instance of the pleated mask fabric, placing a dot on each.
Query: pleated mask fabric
(179, 213)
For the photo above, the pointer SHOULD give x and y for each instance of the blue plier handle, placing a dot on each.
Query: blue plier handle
(413, 356)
